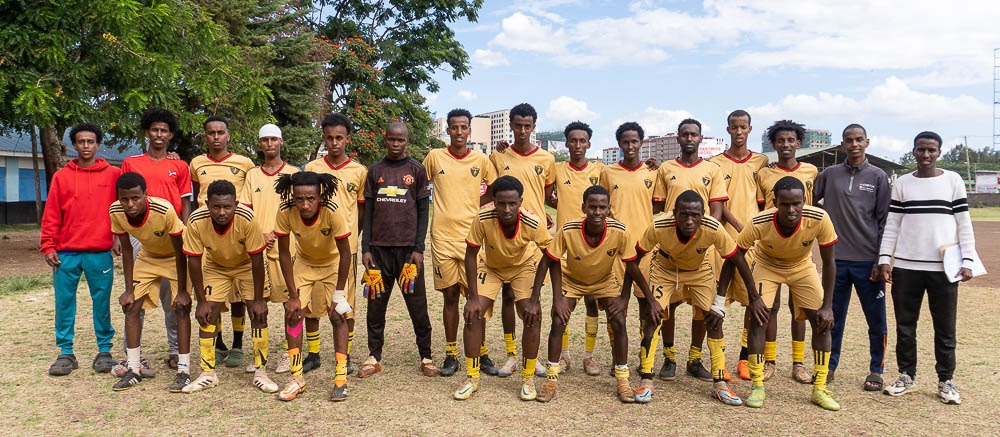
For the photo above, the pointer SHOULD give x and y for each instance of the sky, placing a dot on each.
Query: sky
(897, 67)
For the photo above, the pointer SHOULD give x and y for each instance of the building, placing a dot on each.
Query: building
(611, 155)
(665, 147)
(500, 129)
(815, 138)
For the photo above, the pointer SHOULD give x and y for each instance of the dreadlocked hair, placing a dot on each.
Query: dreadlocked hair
(326, 184)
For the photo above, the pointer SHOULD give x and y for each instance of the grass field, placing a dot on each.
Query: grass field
(990, 214)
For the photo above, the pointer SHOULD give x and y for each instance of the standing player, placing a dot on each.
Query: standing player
(535, 169)
(689, 172)
(786, 136)
(225, 234)
(509, 236)
(856, 196)
(739, 169)
(573, 177)
(315, 283)
(259, 195)
(221, 164)
(350, 197)
(457, 174)
(395, 227)
(153, 222)
(784, 237)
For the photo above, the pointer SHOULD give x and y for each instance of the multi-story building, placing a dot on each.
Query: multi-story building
(665, 147)
(611, 155)
(814, 138)
(500, 129)
(479, 138)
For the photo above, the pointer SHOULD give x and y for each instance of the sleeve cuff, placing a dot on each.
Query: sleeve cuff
(736, 249)
(340, 237)
(254, 252)
(553, 258)
(285, 234)
(884, 259)
(830, 243)
(179, 233)
(471, 244)
(719, 199)
(638, 248)
(191, 253)
(628, 260)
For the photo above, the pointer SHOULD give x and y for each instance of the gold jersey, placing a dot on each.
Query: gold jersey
(570, 184)
(536, 171)
(703, 177)
(631, 192)
(779, 251)
(741, 185)
(158, 224)
(205, 170)
(457, 181)
(685, 255)
(350, 191)
(259, 194)
(316, 240)
(770, 175)
(229, 248)
(502, 252)
(587, 265)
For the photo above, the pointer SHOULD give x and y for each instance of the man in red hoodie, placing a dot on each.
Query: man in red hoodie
(76, 240)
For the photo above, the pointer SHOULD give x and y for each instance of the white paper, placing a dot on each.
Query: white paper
(952, 259)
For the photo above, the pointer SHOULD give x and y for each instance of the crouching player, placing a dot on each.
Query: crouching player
(224, 233)
(508, 235)
(589, 248)
(783, 238)
(317, 279)
(682, 272)
(154, 223)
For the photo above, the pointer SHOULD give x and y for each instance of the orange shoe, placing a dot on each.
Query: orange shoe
(743, 370)
(369, 368)
(726, 376)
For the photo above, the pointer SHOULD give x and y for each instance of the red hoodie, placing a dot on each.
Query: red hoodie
(76, 212)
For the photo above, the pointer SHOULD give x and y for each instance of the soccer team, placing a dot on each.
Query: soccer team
(734, 228)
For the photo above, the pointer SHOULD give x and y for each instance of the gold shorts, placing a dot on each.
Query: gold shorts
(448, 260)
(491, 281)
(737, 292)
(279, 293)
(803, 282)
(696, 287)
(147, 275)
(224, 284)
(316, 284)
(611, 287)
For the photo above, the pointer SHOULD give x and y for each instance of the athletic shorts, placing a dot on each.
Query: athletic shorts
(696, 287)
(610, 287)
(279, 293)
(224, 284)
(521, 279)
(803, 282)
(147, 275)
(316, 284)
(737, 292)
(448, 261)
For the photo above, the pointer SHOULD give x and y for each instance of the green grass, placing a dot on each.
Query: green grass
(22, 283)
(988, 214)
(19, 228)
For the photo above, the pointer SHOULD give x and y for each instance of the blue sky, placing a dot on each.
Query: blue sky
(897, 67)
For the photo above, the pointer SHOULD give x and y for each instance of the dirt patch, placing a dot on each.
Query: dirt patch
(20, 255)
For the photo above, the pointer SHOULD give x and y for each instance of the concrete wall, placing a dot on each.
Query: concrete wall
(977, 200)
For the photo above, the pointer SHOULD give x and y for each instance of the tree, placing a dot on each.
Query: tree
(561, 155)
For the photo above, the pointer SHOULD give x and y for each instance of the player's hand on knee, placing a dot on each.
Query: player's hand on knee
(202, 312)
(560, 310)
(258, 311)
(824, 319)
(617, 305)
(293, 310)
(182, 302)
(759, 311)
(340, 305)
(532, 311)
(126, 300)
(473, 311)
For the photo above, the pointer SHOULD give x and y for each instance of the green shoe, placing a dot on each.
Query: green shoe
(235, 358)
(756, 398)
(824, 398)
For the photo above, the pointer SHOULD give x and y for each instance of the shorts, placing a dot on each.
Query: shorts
(279, 293)
(644, 265)
(696, 287)
(611, 287)
(316, 284)
(224, 284)
(803, 282)
(521, 279)
(147, 275)
(737, 292)
(448, 261)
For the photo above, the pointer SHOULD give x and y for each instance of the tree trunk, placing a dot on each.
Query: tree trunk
(53, 151)
(34, 166)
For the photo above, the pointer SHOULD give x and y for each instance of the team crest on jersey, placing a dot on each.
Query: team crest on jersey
(706, 180)
(809, 186)
(158, 233)
(242, 242)
(701, 250)
(807, 243)
(325, 231)
(234, 170)
(474, 171)
(593, 180)
(538, 169)
(408, 180)
(648, 182)
(612, 252)
(352, 188)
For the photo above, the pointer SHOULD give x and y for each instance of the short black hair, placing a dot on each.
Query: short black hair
(738, 113)
(86, 127)
(788, 183)
(221, 187)
(595, 190)
(335, 119)
(458, 112)
(130, 180)
(854, 126)
(326, 184)
(215, 118)
(925, 135)
(688, 121)
(524, 110)
(578, 125)
(627, 126)
(689, 196)
(786, 125)
(159, 115)
(507, 183)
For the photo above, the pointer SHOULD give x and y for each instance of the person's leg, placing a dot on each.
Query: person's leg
(768, 284)
(907, 297)
(99, 269)
(377, 307)
(449, 315)
(182, 316)
(65, 280)
(871, 295)
(841, 302)
(530, 337)
(771, 342)
(590, 331)
(555, 350)
(509, 320)
(472, 337)
(295, 327)
(206, 342)
(416, 306)
(798, 331)
(942, 300)
(340, 330)
(169, 318)
(132, 347)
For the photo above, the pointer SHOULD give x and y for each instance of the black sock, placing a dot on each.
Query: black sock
(219, 344)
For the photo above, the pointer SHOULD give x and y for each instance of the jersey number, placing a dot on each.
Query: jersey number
(658, 292)
(482, 277)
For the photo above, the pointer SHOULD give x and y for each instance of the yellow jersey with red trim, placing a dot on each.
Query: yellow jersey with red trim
(536, 170)
(232, 168)
(457, 181)
(780, 251)
(229, 248)
(500, 251)
(571, 182)
(631, 192)
(585, 264)
(741, 185)
(703, 177)
(259, 194)
(350, 191)
(316, 239)
(770, 175)
(158, 224)
(685, 255)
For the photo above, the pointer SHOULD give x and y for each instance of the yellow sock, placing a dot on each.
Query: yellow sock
(312, 340)
(284, 344)
(669, 353)
(451, 348)
(207, 347)
(770, 351)
(694, 353)
(508, 339)
(528, 369)
(472, 367)
(717, 349)
(552, 371)
(646, 357)
(798, 352)
(483, 351)
(258, 337)
(756, 364)
(743, 337)
(621, 371)
(340, 377)
(565, 339)
(350, 341)
(821, 369)
(295, 361)
(590, 328)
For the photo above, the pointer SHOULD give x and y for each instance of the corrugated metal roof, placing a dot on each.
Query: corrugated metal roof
(21, 143)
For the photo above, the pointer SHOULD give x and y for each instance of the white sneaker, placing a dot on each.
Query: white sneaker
(508, 368)
(540, 369)
(528, 392)
(903, 385)
(263, 382)
(948, 393)
(205, 381)
(284, 364)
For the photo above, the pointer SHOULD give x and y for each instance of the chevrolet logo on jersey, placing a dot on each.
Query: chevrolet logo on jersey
(325, 231)
(473, 170)
(392, 191)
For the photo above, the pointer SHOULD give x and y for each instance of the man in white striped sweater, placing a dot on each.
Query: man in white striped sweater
(928, 212)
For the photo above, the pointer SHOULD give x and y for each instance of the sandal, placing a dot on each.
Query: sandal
(63, 365)
(873, 382)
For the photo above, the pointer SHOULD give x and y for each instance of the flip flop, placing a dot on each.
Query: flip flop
(873, 382)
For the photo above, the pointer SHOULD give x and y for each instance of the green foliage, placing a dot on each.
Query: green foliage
(23, 283)
(561, 155)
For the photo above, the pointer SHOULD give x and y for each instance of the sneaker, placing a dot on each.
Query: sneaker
(548, 391)
(235, 358)
(508, 368)
(64, 364)
(743, 370)
(644, 392)
(486, 366)
(948, 393)
(528, 392)
(800, 374)
(250, 368)
(284, 364)
(565, 361)
(824, 398)
(339, 393)
(696, 369)
(121, 367)
(625, 392)
(756, 398)
(726, 395)
(769, 369)
(427, 367)
(294, 387)
(590, 367)
(540, 370)
(470, 386)
(310, 363)
(669, 370)
(369, 368)
(903, 385)
(205, 381)
(103, 362)
(450, 366)
(181, 379)
(726, 376)
(127, 381)
(263, 382)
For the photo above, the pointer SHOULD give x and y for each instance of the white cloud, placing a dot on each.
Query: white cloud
(563, 110)
(430, 99)
(655, 121)
(489, 58)
(467, 95)
(527, 33)
(885, 146)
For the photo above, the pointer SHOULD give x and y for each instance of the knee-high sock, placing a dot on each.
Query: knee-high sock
(528, 369)
(350, 341)
(798, 352)
(821, 369)
(508, 339)
(565, 340)
(340, 377)
(312, 340)
(472, 367)
(756, 364)
(259, 338)
(694, 353)
(717, 348)
(207, 347)
(646, 357)
(770, 351)
(590, 328)
(239, 324)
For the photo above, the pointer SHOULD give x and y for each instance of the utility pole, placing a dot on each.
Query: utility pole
(968, 171)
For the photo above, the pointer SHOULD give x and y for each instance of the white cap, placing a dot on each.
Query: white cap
(269, 130)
